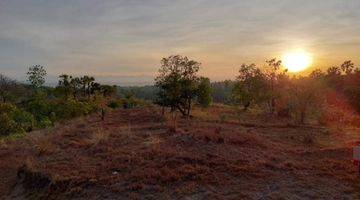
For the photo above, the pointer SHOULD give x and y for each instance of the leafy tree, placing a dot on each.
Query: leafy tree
(6, 86)
(108, 90)
(75, 84)
(7, 125)
(94, 88)
(305, 97)
(204, 92)
(36, 76)
(250, 86)
(129, 100)
(14, 120)
(65, 85)
(87, 82)
(273, 67)
(178, 81)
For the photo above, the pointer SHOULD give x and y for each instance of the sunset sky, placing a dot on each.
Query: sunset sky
(124, 40)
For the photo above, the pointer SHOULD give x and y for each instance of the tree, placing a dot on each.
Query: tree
(305, 93)
(317, 74)
(6, 86)
(273, 67)
(334, 78)
(204, 97)
(177, 82)
(36, 76)
(250, 86)
(87, 81)
(65, 85)
(75, 84)
(347, 67)
(108, 90)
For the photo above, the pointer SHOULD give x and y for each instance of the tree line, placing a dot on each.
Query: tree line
(270, 88)
(25, 107)
(329, 95)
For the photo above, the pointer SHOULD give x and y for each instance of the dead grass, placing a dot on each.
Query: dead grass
(132, 155)
(98, 136)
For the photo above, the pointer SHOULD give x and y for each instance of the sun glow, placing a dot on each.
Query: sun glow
(297, 61)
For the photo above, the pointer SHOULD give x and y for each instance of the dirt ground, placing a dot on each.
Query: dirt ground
(214, 155)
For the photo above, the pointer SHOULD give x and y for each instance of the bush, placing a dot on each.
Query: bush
(7, 125)
(39, 107)
(14, 120)
(114, 104)
(24, 119)
(44, 122)
(70, 108)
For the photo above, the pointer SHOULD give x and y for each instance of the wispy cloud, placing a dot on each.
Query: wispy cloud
(129, 37)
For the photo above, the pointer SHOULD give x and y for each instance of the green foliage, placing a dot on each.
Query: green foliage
(204, 97)
(14, 120)
(305, 98)
(114, 104)
(178, 82)
(38, 106)
(222, 91)
(129, 101)
(36, 76)
(72, 108)
(24, 119)
(82, 87)
(250, 86)
(108, 90)
(7, 125)
(140, 92)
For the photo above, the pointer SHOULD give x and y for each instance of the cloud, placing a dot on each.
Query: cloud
(129, 37)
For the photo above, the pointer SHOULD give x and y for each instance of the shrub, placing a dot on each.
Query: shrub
(7, 125)
(71, 108)
(39, 107)
(14, 120)
(114, 104)
(24, 119)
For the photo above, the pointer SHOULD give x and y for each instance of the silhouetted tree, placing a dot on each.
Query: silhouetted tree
(250, 86)
(36, 76)
(86, 85)
(108, 90)
(305, 97)
(6, 87)
(272, 75)
(65, 86)
(347, 67)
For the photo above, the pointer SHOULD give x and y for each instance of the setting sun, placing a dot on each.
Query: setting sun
(297, 61)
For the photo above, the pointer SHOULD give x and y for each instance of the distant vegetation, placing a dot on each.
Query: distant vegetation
(25, 107)
(324, 96)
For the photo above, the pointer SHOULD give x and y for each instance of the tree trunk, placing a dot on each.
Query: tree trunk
(189, 108)
(246, 106)
(181, 110)
(102, 114)
(302, 117)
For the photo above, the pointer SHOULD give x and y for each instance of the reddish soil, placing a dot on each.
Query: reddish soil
(133, 155)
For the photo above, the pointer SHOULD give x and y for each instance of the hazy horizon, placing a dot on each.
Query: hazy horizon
(124, 41)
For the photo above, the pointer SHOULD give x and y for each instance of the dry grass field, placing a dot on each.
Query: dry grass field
(215, 155)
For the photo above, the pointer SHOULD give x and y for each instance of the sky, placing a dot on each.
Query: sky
(123, 41)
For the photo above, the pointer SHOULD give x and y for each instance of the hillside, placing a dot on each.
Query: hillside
(215, 155)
